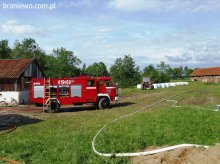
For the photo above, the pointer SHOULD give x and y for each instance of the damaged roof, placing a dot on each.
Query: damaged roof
(214, 71)
(12, 68)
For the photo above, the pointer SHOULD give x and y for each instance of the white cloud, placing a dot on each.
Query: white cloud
(206, 52)
(13, 27)
(162, 5)
(180, 58)
(198, 55)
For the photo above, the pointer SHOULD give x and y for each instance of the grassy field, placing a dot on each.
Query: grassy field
(66, 137)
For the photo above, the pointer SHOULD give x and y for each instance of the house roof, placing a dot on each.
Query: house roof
(12, 68)
(214, 71)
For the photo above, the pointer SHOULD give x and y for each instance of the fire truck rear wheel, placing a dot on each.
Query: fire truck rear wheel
(55, 106)
(104, 103)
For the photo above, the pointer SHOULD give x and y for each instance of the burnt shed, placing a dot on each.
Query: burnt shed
(207, 75)
(15, 74)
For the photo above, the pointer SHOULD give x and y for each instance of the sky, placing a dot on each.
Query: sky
(180, 33)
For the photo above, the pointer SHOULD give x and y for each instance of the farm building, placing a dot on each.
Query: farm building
(207, 75)
(15, 75)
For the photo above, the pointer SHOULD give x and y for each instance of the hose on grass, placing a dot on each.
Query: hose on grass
(174, 104)
(128, 154)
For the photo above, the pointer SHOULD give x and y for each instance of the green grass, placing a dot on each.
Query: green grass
(66, 137)
(162, 127)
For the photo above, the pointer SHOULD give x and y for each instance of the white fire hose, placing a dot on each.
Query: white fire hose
(128, 154)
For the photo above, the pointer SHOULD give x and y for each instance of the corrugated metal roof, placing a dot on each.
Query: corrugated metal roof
(12, 68)
(214, 71)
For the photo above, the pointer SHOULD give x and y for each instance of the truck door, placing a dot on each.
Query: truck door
(91, 91)
(101, 86)
(105, 87)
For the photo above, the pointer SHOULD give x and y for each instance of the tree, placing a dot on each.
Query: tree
(5, 50)
(124, 72)
(164, 72)
(163, 67)
(50, 66)
(177, 72)
(187, 71)
(162, 78)
(27, 49)
(62, 63)
(83, 69)
(170, 72)
(160, 74)
(97, 69)
(151, 71)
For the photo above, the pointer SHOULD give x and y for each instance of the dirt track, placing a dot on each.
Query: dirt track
(183, 156)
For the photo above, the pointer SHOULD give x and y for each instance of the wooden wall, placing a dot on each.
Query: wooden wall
(7, 85)
(23, 81)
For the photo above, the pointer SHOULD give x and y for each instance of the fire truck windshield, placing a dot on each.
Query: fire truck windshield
(108, 83)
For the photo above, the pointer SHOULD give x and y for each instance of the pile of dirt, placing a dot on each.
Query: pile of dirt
(182, 156)
(201, 101)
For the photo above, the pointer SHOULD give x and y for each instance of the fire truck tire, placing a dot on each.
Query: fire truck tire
(104, 103)
(55, 106)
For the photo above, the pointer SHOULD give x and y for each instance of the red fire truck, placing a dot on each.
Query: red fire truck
(53, 92)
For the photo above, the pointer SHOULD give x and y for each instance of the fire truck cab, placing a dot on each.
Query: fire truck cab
(81, 90)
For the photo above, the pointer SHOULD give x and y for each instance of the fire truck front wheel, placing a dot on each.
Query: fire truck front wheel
(104, 103)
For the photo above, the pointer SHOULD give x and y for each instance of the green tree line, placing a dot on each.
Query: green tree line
(64, 63)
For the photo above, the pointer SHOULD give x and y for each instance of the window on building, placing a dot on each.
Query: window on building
(26, 81)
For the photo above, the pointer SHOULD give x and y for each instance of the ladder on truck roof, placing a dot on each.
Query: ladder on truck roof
(47, 95)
